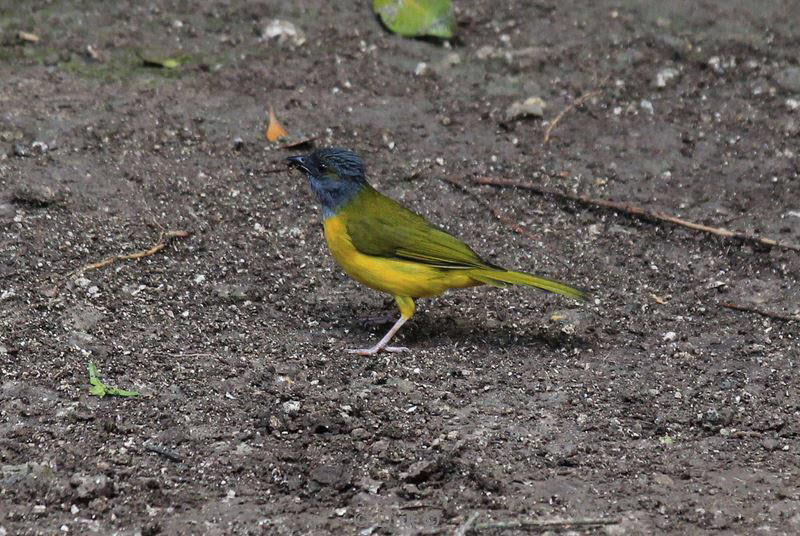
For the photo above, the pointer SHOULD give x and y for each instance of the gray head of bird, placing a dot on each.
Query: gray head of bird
(335, 175)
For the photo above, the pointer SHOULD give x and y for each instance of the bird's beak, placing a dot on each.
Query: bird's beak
(298, 162)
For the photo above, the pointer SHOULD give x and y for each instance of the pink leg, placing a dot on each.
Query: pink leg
(381, 346)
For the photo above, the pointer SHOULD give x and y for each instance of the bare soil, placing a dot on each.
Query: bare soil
(652, 406)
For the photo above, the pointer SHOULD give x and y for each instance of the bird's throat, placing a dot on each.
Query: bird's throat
(333, 195)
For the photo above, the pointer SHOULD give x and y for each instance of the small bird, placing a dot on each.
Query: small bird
(385, 246)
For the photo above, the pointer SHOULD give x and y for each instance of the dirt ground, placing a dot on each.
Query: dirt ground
(652, 407)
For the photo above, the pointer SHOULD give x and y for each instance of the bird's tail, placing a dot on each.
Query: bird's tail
(504, 278)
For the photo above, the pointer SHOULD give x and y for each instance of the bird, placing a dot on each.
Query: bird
(387, 247)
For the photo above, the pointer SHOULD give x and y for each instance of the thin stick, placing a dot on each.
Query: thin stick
(168, 453)
(759, 311)
(577, 102)
(542, 524)
(501, 217)
(639, 212)
(467, 525)
(163, 240)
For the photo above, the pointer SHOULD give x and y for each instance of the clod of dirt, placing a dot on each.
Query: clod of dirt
(530, 107)
(36, 195)
(283, 31)
(419, 471)
(789, 79)
(89, 487)
(335, 476)
(7, 211)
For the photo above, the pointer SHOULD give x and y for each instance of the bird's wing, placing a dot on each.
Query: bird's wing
(380, 226)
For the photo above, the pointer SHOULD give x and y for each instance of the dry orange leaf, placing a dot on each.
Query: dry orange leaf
(274, 129)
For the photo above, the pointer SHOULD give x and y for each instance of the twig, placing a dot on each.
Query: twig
(467, 525)
(635, 211)
(168, 453)
(544, 524)
(759, 311)
(163, 240)
(501, 217)
(574, 104)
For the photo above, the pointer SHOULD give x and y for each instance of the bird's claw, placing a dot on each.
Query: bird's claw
(375, 349)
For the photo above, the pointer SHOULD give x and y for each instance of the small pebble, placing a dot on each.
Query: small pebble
(530, 107)
(665, 76)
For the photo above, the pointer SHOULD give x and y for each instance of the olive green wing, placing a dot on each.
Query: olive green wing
(382, 227)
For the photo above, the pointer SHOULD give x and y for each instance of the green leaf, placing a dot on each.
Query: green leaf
(163, 62)
(414, 18)
(98, 388)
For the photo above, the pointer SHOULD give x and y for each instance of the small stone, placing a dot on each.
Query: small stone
(419, 471)
(662, 480)
(665, 76)
(791, 127)
(89, 487)
(569, 321)
(647, 106)
(789, 79)
(39, 147)
(291, 407)
(530, 107)
(336, 476)
(402, 385)
(36, 195)
(11, 135)
(21, 151)
(421, 69)
(450, 60)
(7, 211)
(669, 336)
(284, 31)
(716, 64)
(486, 52)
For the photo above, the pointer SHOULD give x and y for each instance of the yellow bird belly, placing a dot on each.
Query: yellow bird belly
(397, 277)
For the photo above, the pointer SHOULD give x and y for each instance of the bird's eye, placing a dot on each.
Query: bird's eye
(323, 167)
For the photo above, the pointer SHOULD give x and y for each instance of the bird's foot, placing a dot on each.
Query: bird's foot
(375, 349)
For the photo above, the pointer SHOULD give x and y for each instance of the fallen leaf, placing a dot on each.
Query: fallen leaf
(28, 36)
(162, 62)
(274, 129)
(413, 18)
(98, 388)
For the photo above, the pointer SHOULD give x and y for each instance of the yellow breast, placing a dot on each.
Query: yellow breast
(397, 277)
